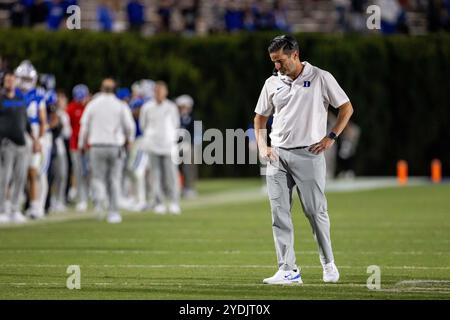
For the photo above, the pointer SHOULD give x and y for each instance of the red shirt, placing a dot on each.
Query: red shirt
(75, 111)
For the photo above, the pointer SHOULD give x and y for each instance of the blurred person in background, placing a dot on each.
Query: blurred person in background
(59, 124)
(342, 10)
(159, 120)
(393, 17)
(217, 16)
(125, 199)
(138, 161)
(66, 134)
(263, 15)
(105, 16)
(13, 151)
(136, 15)
(164, 12)
(249, 19)
(188, 169)
(19, 13)
(348, 144)
(280, 12)
(438, 15)
(189, 10)
(55, 127)
(234, 16)
(38, 141)
(57, 12)
(358, 15)
(106, 127)
(340, 157)
(56, 149)
(75, 109)
(38, 14)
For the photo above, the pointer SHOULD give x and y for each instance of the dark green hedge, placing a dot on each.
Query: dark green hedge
(399, 86)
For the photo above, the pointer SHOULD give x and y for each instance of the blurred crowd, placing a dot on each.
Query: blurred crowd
(176, 16)
(352, 15)
(111, 150)
(44, 14)
(199, 17)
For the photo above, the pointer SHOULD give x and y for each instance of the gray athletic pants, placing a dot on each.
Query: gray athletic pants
(306, 171)
(60, 172)
(80, 170)
(106, 169)
(13, 171)
(164, 177)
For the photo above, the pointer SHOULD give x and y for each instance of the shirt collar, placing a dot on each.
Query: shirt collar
(288, 80)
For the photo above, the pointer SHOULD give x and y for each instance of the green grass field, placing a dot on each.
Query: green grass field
(221, 247)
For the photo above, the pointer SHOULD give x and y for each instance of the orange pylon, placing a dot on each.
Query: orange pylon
(402, 172)
(436, 171)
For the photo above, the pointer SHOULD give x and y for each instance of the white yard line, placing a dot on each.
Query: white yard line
(414, 282)
(213, 252)
(149, 284)
(193, 266)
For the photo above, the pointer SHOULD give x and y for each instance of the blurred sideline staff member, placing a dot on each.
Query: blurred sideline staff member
(188, 169)
(106, 126)
(75, 109)
(159, 121)
(13, 150)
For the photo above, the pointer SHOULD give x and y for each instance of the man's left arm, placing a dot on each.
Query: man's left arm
(345, 112)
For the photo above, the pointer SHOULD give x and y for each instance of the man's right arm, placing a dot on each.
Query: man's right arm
(84, 129)
(260, 123)
(263, 111)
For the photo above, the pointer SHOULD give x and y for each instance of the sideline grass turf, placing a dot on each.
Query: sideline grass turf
(224, 250)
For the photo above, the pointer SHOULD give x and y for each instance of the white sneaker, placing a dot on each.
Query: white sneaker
(160, 209)
(35, 214)
(125, 203)
(4, 218)
(114, 217)
(189, 194)
(330, 273)
(81, 206)
(17, 217)
(285, 277)
(58, 207)
(138, 207)
(174, 208)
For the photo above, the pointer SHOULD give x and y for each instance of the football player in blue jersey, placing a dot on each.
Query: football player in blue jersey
(37, 140)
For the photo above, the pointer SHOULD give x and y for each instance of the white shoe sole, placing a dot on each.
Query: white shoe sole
(284, 282)
(114, 221)
(330, 280)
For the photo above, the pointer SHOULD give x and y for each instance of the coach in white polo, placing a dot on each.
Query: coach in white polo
(298, 95)
(159, 121)
(107, 126)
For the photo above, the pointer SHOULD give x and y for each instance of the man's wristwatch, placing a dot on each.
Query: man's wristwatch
(332, 135)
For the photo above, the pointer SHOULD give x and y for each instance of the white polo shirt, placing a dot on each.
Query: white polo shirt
(159, 124)
(106, 120)
(299, 107)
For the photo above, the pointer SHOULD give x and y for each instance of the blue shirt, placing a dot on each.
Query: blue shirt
(56, 13)
(135, 13)
(105, 18)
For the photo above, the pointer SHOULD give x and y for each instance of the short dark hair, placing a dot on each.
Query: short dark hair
(3, 74)
(285, 42)
(108, 89)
